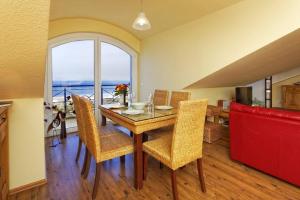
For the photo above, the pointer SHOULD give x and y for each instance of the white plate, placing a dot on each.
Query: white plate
(133, 112)
(163, 107)
(138, 105)
(4, 105)
(116, 106)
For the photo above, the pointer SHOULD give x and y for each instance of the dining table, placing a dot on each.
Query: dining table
(138, 124)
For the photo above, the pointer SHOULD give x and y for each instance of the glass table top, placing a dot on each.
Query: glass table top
(143, 116)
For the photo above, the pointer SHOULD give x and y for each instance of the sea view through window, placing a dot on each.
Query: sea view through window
(73, 69)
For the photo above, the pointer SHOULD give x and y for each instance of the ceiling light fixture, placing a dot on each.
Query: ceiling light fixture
(141, 23)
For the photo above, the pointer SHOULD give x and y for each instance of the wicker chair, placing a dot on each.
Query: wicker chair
(81, 134)
(161, 97)
(105, 131)
(184, 145)
(104, 147)
(177, 96)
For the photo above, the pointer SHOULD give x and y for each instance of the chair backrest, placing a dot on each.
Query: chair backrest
(177, 96)
(161, 97)
(188, 132)
(79, 118)
(90, 128)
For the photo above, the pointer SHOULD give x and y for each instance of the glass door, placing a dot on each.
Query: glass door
(89, 65)
(115, 69)
(72, 73)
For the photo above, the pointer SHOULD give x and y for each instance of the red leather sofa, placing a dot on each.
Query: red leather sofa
(266, 139)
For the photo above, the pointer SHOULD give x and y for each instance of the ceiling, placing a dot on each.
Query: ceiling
(279, 56)
(163, 14)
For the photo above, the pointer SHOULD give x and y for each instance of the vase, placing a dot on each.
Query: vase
(122, 99)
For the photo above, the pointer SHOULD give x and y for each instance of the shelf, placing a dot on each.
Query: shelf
(268, 92)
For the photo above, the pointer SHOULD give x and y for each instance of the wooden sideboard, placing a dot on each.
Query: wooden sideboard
(291, 97)
(4, 177)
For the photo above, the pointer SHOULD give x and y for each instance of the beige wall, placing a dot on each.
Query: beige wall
(26, 142)
(276, 89)
(84, 25)
(178, 57)
(213, 94)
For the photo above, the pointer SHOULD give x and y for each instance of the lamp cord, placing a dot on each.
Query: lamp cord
(142, 9)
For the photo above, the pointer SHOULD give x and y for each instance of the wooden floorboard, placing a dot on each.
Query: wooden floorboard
(224, 178)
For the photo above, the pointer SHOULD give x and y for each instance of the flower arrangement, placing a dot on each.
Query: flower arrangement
(121, 89)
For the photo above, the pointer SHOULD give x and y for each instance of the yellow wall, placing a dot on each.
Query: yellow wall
(74, 25)
(276, 89)
(23, 44)
(26, 142)
(181, 56)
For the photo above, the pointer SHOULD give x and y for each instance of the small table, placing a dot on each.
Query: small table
(138, 124)
(213, 111)
(224, 114)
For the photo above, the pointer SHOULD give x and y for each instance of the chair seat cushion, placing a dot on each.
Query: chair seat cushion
(160, 149)
(115, 144)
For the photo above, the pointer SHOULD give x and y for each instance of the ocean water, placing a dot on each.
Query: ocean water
(83, 88)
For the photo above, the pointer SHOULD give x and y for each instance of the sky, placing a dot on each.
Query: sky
(74, 61)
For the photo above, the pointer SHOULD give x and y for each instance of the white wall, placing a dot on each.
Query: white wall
(286, 78)
(258, 87)
(285, 75)
(258, 90)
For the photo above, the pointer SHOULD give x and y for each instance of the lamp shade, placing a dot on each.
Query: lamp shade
(141, 23)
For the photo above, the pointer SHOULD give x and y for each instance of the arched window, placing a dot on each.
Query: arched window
(88, 65)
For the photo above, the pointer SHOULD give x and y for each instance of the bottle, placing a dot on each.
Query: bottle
(129, 100)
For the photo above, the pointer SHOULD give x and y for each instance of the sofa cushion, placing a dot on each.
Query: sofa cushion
(267, 112)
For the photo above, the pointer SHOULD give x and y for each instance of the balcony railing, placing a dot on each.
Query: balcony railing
(62, 95)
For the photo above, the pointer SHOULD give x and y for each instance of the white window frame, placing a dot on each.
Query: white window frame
(98, 38)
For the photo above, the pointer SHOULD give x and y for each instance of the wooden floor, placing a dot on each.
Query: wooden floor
(224, 178)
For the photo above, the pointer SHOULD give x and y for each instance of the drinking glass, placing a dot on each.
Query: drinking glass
(150, 103)
(129, 100)
(133, 97)
(150, 98)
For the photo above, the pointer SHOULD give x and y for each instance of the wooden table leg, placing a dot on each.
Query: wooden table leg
(216, 119)
(138, 161)
(103, 120)
(63, 129)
